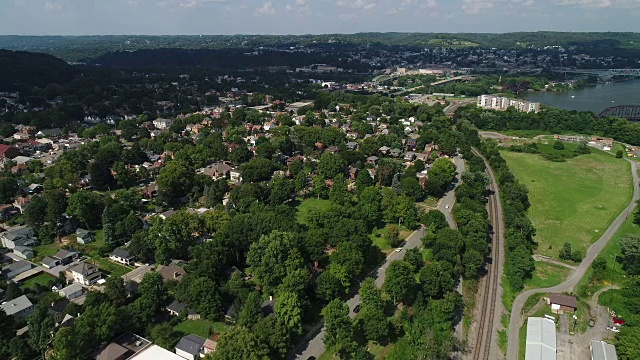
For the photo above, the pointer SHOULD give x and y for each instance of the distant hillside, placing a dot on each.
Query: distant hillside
(77, 48)
(20, 70)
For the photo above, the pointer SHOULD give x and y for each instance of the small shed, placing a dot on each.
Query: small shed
(562, 303)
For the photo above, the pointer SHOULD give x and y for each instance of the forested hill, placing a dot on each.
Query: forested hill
(220, 58)
(21, 70)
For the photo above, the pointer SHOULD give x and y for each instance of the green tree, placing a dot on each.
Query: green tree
(441, 174)
(35, 213)
(627, 345)
(338, 326)
(7, 332)
(272, 257)
(251, 311)
(619, 154)
(164, 335)
(392, 235)
(87, 207)
(240, 344)
(331, 165)
(288, 311)
(67, 345)
(115, 291)
(175, 181)
(329, 287)
(399, 281)
(41, 326)
(558, 145)
(282, 190)
(8, 189)
(204, 297)
(630, 254)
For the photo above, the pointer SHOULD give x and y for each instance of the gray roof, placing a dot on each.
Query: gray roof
(121, 253)
(541, 339)
(191, 344)
(16, 305)
(17, 265)
(600, 350)
(48, 261)
(18, 232)
(71, 289)
(63, 254)
(83, 268)
(176, 306)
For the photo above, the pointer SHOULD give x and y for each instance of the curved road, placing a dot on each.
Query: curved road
(313, 344)
(570, 283)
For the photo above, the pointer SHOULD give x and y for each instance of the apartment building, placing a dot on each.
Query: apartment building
(502, 103)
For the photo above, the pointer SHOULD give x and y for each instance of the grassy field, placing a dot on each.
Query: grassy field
(546, 275)
(309, 204)
(573, 201)
(111, 268)
(42, 279)
(201, 328)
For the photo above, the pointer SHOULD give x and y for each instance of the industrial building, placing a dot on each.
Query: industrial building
(541, 339)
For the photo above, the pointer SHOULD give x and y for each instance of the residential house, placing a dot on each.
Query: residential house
(12, 270)
(190, 347)
(23, 252)
(66, 256)
(162, 124)
(49, 133)
(8, 152)
(150, 191)
(352, 145)
(18, 236)
(211, 344)
(384, 150)
(83, 236)
(21, 203)
(353, 172)
(562, 303)
(85, 274)
(19, 307)
(122, 256)
(71, 292)
(176, 307)
(218, 170)
(114, 351)
(411, 144)
(395, 152)
(50, 262)
(372, 160)
(172, 272)
(236, 176)
(167, 214)
(155, 352)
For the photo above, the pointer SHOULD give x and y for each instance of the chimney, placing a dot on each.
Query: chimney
(175, 274)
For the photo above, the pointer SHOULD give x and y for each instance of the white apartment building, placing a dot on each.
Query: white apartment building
(502, 103)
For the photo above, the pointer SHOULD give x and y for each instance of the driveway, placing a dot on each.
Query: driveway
(574, 278)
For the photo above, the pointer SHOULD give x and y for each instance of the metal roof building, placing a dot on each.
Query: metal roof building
(541, 339)
(600, 350)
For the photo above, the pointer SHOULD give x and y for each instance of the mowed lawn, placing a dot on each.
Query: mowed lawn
(573, 201)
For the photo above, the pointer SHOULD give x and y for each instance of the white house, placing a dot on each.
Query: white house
(121, 256)
(85, 274)
(191, 347)
(162, 124)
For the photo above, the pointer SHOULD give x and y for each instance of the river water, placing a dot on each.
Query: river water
(595, 98)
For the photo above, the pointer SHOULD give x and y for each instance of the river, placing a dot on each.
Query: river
(595, 98)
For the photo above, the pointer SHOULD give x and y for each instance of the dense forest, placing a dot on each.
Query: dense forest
(24, 70)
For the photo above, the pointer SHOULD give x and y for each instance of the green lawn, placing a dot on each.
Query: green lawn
(41, 251)
(110, 268)
(546, 275)
(309, 204)
(573, 201)
(203, 328)
(42, 279)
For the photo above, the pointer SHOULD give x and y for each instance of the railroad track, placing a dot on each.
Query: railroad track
(482, 348)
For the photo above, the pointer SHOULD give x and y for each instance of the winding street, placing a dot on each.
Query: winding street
(312, 345)
(574, 278)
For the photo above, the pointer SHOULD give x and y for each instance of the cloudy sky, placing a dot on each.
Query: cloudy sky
(86, 17)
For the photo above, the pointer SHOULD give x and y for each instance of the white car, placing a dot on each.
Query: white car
(398, 249)
(446, 206)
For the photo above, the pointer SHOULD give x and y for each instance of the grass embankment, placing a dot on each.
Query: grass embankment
(573, 201)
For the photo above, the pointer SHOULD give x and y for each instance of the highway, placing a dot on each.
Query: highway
(314, 346)
(574, 278)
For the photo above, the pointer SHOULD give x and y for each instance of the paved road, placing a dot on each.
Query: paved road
(315, 346)
(449, 199)
(574, 278)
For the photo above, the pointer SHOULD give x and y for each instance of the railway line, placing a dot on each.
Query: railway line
(490, 301)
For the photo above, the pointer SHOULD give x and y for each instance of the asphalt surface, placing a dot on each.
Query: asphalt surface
(315, 346)
(574, 278)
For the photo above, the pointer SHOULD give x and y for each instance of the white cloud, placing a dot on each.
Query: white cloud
(189, 4)
(477, 6)
(622, 4)
(265, 9)
(53, 6)
(348, 17)
(358, 4)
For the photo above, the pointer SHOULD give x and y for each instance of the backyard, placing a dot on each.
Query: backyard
(573, 201)
(202, 328)
(42, 279)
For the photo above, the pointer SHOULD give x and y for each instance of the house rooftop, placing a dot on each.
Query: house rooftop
(113, 351)
(191, 344)
(121, 253)
(16, 305)
(564, 300)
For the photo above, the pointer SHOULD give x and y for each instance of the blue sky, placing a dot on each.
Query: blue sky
(87, 17)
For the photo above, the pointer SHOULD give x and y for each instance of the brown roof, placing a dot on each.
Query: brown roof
(564, 300)
(172, 272)
(113, 351)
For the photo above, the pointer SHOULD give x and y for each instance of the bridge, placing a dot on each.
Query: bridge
(602, 72)
(629, 112)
